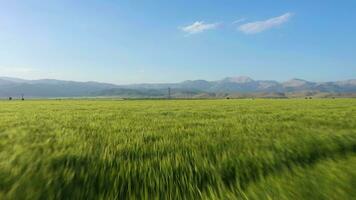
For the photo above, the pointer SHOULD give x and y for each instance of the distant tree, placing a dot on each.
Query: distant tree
(10, 98)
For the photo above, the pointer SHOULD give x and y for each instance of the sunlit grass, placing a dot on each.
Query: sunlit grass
(192, 149)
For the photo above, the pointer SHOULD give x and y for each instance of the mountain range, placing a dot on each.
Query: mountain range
(231, 86)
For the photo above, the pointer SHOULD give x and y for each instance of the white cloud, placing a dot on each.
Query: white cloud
(260, 26)
(20, 72)
(239, 21)
(199, 27)
(16, 70)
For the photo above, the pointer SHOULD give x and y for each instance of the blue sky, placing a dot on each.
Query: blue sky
(134, 41)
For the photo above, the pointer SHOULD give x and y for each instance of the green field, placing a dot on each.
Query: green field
(178, 149)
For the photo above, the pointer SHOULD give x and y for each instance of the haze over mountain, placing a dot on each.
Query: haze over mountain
(51, 88)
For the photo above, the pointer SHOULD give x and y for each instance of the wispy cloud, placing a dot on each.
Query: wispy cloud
(260, 26)
(199, 27)
(239, 21)
(16, 70)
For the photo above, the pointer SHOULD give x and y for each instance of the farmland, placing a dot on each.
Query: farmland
(178, 149)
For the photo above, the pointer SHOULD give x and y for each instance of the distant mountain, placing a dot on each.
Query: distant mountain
(238, 79)
(49, 88)
(12, 80)
(230, 86)
(296, 83)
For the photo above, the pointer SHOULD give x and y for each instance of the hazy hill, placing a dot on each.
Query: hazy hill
(49, 88)
(230, 86)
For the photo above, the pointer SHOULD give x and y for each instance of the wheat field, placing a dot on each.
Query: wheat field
(178, 149)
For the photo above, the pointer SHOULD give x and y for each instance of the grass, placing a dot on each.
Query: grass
(184, 149)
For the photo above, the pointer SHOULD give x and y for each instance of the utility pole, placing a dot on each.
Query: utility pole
(169, 92)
